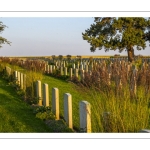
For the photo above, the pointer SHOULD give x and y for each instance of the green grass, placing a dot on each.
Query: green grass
(63, 86)
(66, 87)
(126, 114)
(17, 116)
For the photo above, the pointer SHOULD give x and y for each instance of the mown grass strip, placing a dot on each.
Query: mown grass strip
(66, 87)
(17, 116)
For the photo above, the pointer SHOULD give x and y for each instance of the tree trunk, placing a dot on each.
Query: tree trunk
(130, 54)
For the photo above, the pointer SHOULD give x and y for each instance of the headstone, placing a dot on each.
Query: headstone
(85, 116)
(73, 66)
(61, 71)
(84, 64)
(107, 122)
(21, 81)
(47, 69)
(45, 95)
(38, 92)
(64, 64)
(56, 63)
(19, 78)
(91, 66)
(65, 71)
(81, 67)
(55, 102)
(68, 109)
(51, 69)
(77, 67)
(76, 73)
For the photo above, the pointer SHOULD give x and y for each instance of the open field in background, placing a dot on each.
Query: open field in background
(73, 56)
(122, 112)
(50, 57)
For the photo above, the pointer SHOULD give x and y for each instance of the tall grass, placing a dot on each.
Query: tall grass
(114, 107)
(31, 78)
(119, 113)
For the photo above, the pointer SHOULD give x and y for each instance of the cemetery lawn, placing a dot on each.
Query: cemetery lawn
(77, 96)
(17, 116)
(100, 103)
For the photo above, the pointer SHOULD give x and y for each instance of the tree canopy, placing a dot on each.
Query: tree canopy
(122, 33)
(3, 40)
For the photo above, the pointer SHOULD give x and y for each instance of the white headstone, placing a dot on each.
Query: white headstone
(45, 95)
(38, 92)
(65, 71)
(68, 109)
(19, 78)
(85, 116)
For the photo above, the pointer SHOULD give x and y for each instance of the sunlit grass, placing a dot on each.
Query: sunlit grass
(111, 112)
(124, 114)
(16, 115)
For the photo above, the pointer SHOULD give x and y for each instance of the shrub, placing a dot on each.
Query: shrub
(44, 113)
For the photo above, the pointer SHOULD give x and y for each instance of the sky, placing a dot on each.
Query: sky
(46, 36)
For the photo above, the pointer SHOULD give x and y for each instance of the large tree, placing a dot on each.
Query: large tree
(3, 40)
(118, 33)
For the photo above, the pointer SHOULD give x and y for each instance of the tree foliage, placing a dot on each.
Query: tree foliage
(122, 33)
(3, 40)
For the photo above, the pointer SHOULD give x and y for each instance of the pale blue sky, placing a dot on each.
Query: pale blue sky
(47, 36)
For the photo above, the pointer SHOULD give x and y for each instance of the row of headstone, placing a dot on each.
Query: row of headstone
(65, 71)
(80, 68)
(84, 106)
(20, 79)
(83, 63)
(8, 70)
